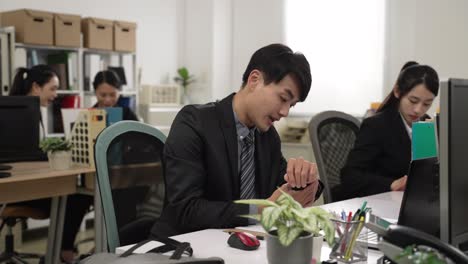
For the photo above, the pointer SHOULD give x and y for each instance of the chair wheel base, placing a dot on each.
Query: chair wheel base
(15, 257)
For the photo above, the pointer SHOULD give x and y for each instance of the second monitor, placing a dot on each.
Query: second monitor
(19, 129)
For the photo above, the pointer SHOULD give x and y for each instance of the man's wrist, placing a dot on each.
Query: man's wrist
(253, 209)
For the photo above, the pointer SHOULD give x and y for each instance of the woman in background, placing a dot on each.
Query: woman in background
(381, 155)
(40, 80)
(43, 81)
(107, 86)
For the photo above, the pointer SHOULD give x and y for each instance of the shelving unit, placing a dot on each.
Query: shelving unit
(81, 66)
(160, 117)
(7, 50)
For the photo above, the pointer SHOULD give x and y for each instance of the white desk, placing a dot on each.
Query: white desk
(213, 242)
(386, 205)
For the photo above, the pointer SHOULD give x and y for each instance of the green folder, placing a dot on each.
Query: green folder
(424, 142)
(113, 115)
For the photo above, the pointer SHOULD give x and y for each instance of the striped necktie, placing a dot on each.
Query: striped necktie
(247, 169)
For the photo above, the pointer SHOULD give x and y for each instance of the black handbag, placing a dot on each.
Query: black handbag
(154, 256)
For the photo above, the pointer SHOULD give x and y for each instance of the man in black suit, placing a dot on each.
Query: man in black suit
(228, 150)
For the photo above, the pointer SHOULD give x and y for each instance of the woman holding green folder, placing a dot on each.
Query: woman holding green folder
(381, 155)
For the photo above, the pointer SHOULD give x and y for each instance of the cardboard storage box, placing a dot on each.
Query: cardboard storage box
(67, 30)
(31, 26)
(97, 33)
(124, 36)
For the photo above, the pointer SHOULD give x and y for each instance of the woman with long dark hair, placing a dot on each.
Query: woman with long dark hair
(381, 155)
(40, 80)
(43, 81)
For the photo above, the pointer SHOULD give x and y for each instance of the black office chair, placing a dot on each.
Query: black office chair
(332, 134)
(11, 215)
(130, 179)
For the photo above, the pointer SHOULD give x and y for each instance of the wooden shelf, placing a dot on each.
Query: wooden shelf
(42, 47)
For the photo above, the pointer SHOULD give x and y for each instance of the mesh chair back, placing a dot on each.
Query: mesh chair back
(130, 180)
(332, 134)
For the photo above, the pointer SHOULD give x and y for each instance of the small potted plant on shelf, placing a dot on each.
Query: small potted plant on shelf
(291, 229)
(58, 151)
(184, 79)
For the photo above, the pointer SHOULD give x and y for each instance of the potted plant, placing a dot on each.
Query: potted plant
(58, 151)
(291, 228)
(184, 79)
(420, 255)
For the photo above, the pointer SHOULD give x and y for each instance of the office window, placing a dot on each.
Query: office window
(344, 44)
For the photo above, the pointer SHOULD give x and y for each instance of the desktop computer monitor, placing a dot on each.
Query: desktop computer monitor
(19, 128)
(420, 205)
(453, 140)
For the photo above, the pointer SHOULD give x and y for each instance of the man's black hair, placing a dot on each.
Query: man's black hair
(276, 61)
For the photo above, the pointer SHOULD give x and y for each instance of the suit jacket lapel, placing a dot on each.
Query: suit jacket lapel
(228, 127)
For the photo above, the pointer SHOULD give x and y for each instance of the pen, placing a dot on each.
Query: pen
(363, 214)
(350, 217)
(349, 250)
(364, 204)
(340, 236)
(348, 222)
(356, 215)
(343, 215)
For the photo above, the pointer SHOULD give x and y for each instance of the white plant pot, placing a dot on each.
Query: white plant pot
(60, 160)
(317, 243)
(301, 251)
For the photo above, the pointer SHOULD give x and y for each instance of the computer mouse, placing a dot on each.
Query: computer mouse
(244, 241)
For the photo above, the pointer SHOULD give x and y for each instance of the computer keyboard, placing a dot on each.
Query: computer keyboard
(372, 238)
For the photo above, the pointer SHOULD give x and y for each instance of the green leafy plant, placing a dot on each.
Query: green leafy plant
(184, 78)
(290, 219)
(420, 255)
(55, 144)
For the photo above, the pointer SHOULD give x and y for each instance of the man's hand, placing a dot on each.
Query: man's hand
(399, 184)
(305, 197)
(300, 173)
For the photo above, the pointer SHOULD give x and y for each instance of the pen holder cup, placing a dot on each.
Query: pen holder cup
(350, 242)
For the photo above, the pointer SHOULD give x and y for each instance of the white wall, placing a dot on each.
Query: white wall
(215, 38)
(196, 47)
(156, 32)
(206, 49)
(220, 36)
(431, 32)
(222, 48)
(255, 24)
(344, 47)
